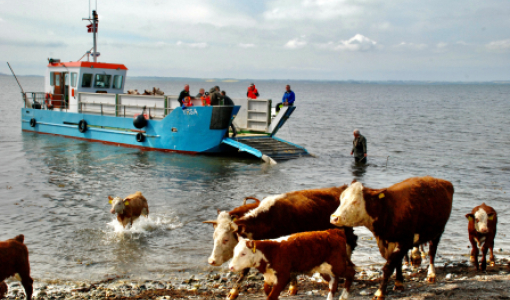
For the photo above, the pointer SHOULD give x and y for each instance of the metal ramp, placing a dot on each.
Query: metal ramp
(275, 148)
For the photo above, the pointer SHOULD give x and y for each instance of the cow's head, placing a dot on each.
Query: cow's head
(481, 219)
(224, 237)
(246, 255)
(352, 210)
(118, 204)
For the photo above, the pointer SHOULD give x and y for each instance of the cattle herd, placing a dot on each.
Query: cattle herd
(311, 231)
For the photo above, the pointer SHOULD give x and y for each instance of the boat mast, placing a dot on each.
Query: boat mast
(94, 32)
(93, 29)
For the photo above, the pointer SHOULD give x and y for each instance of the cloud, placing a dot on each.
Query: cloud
(499, 46)
(356, 43)
(242, 45)
(295, 43)
(309, 9)
(411, 46)
(192, 45)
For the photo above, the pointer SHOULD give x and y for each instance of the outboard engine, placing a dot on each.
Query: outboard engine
(140, 121)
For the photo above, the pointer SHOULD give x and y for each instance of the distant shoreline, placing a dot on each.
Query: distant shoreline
(381, 82)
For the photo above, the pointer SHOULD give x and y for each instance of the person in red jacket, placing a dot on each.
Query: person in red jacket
(252, 92)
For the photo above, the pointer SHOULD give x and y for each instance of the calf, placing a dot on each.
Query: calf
(404, 215)
(14, 262)
(129, 209)
(277, 216)
(482, 229)
(308, 252)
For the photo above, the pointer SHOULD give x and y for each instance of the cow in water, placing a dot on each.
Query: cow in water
(482, 229)
(130, 208)
(401, 216)
(274, 217)
(14, 262)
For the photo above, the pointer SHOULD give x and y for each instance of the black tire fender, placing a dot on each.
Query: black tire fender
(278, 106)
(33, 122)
(140, 137)
(82, 126)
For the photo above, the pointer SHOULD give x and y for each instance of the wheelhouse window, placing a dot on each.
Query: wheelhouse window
(52, 78)
(57, 79)
(74, 76)
(102, 81)
(66, 77)
(117, 81)
(86, 80)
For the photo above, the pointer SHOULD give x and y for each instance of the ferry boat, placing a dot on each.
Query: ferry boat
(86, 100)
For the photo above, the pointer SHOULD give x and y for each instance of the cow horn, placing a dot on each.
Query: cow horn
(252, 198)
(210, 222)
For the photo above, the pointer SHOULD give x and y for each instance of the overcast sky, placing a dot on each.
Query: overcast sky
(440, 40)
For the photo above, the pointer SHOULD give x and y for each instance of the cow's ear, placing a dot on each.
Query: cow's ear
(491, 216)
(470, 217)
(110, 199)
(234, 217)
(234, 227)
(250, 244)
(354, 181)
(219, 211)
(126, 201)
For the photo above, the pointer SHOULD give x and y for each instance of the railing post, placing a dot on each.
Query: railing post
(101, 109)
(124, 111)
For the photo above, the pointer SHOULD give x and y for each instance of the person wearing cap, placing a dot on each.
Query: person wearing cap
(216, 96)
(359, 147)
(252, 92)
(288, 97)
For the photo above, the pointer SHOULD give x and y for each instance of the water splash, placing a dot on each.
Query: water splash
(143, 225)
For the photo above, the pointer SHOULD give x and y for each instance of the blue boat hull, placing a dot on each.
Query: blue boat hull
(192, 130)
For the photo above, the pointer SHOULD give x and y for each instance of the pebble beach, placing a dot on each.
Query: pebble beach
(457, 279)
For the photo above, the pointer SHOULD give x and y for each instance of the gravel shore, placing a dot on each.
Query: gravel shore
(455, 280)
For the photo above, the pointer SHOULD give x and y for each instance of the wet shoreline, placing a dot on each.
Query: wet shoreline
(455, 279)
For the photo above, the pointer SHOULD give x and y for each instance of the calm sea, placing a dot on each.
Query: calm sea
(55, 190)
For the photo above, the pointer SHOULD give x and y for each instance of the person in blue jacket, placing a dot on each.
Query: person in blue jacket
(288, 97)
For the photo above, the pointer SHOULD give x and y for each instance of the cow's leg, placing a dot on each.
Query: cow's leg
(431, 275)
(416, 257)
(293, 284)
(406, 259)
(394, 259)
(423, 253)
(483, 263)
(283, 280)
(399, 278)
(349, 278)
(234, 292)
(333, 286)
(3, 289)
(27, 283)
(267, 288)
(474, 252)
(492, 261)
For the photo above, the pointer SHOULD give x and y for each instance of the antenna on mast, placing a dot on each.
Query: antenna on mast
(93, 28)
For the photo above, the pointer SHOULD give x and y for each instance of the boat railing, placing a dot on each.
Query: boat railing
(41, 100)
(123, 110)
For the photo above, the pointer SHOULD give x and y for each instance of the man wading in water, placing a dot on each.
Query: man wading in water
(359, 147)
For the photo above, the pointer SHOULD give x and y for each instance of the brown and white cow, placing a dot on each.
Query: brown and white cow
(276, 216)
(401, 216)
(130, 208)
(482, 229)
(14, 262)
(302, 253)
